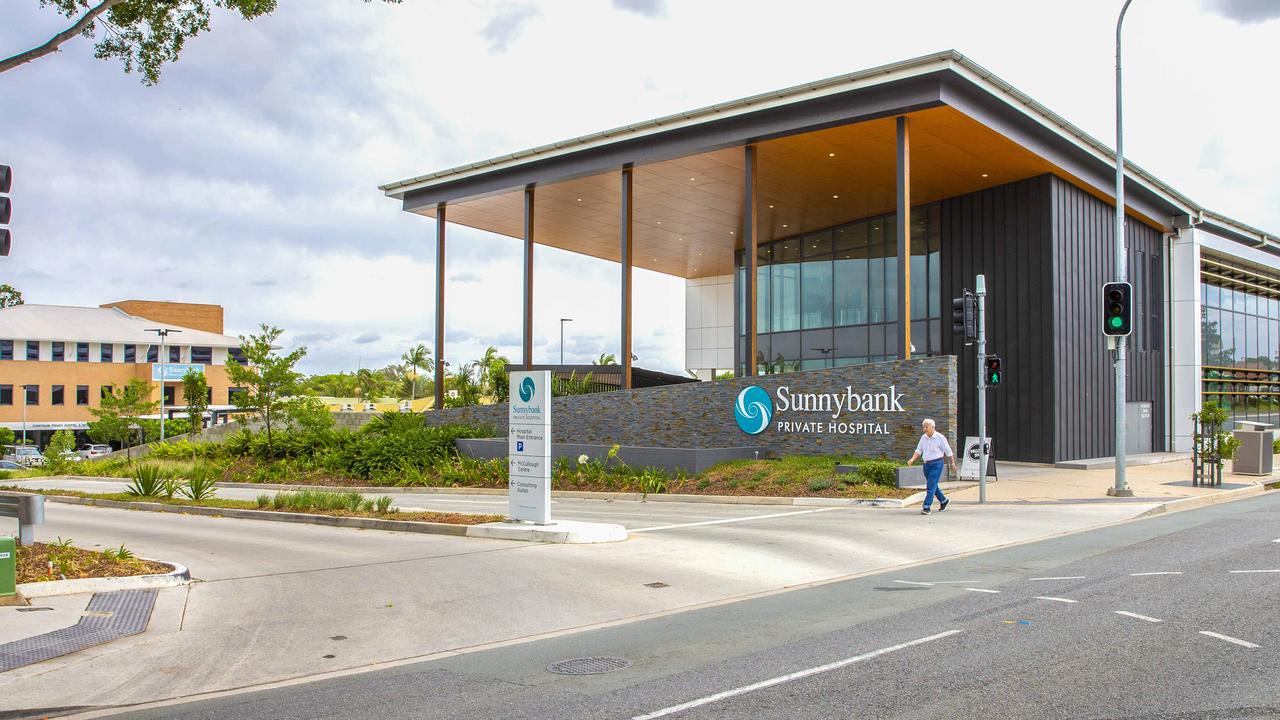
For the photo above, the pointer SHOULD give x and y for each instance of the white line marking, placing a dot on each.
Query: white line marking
(1066, 577)
(1254, 571)
(1055, 599)
(908, 582)
(1175, 572)
(735, 520)
(1136, 615)
(983, 590)
(1229, 639)
(951, 582)
(788, 678)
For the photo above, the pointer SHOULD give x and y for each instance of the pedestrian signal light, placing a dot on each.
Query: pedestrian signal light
(995, 372)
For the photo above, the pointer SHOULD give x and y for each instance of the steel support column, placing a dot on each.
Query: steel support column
(527, 329)
(751, 252)
(625, 261)
(904, 239)
(439, 359)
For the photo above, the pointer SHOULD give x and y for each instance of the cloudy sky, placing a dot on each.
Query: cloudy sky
(248, 177)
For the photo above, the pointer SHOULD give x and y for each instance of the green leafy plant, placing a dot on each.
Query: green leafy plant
(58, 453)
(820, 484)
(383, 504)
(148, 481)
(879, 472)
(652, 481)
(1275, 448)
(120, 554)
(264, 501)
(200, 483)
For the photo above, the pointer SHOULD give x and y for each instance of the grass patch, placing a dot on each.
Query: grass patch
(61, 560)
(304, 501)
(796, 476)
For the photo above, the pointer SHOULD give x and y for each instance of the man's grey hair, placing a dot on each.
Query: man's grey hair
(929, 422)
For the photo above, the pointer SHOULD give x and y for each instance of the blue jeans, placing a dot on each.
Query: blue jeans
(933, 473)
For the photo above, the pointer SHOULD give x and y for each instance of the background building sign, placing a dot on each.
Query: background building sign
(173, 371)
(529, 447)
(837, 412)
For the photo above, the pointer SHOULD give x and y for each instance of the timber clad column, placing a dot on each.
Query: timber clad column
(528, 277)
(904, 239)
(439, 360)
(750, 246)
(625, 260)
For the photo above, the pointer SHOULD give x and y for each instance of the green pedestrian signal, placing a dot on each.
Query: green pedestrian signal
(995, 371)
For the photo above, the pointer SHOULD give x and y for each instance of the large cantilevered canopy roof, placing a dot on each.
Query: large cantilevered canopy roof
(825, 155)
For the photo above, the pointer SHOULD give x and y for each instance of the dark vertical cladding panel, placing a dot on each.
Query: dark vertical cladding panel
(1083, 247)
(1004, 233)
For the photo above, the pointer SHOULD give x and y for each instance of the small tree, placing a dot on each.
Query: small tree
(417, 357)
(119, 415)
(59, 448)
(308, 414)
(9, 296)
(267, 378)
(6, 436)
(195, 392)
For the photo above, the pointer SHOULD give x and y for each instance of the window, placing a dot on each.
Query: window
(170, 395)
(153, 353)
(232, 392)
(175, 354)
(57, 351)
(815, 282)
(106, 353)
(130, 353)
(106, 391)
(33, 394)
(785, 279)
(82, 352)
(6, 394)
(236, 354)
(56, 395)
(6, 349)
(208, 397)
(33, 350)
(82, 395)
(201, 354)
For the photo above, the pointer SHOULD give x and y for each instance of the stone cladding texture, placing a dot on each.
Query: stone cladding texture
(701, 414)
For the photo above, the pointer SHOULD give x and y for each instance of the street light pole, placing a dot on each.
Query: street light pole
(163, 333)
(1121, 488)
(562, 322)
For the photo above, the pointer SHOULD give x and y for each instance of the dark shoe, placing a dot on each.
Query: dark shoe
(925, 511)
(943, 505)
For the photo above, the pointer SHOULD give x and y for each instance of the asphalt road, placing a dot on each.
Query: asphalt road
(1174, 616)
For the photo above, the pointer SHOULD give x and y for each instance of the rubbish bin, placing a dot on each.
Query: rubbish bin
(8, 567)
(1253, 457)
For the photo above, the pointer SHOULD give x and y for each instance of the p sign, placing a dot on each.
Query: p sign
(529, 447)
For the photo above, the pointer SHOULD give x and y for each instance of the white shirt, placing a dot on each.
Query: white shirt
(933, 448)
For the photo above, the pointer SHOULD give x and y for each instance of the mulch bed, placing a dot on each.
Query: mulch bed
(73, 563)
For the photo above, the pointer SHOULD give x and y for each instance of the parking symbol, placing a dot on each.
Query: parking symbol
(519, 446)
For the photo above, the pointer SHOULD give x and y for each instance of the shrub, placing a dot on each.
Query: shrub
(61, 445)
(652, 481)
(148, 481)
(264, 501)
(200, 482)
(820, 484)
(879, 472)
(383, 505)
(392, 423)
(1275, 448)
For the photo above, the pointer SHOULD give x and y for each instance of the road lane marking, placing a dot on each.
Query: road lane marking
(735, 520)
(1253, 571)
(1136, 615)
(1174, 572)
(983, 590)
(1055, 599)
(788, 678)
(1065, 577)
(1229, 639)
(909, 582)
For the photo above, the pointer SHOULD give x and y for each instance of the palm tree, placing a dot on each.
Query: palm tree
(417, 357)
(369, 382)
(606, 359)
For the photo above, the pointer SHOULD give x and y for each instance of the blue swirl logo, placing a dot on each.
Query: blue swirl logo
(526, 389)
(753, 410)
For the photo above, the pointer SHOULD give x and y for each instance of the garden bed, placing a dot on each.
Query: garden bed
(40, 562)
(318, 504)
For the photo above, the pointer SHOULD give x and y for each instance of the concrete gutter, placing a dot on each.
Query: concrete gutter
(180, 575)
(1205, 500)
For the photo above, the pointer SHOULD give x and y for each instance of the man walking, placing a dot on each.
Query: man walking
(933, 447)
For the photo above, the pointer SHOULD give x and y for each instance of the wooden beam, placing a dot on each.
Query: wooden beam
(625, 260)
(751, 251)
(904, 238)
(439, 359)
(527, 330)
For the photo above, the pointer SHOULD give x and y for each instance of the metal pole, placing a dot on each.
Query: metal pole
(1121, 488)
(163, 334)
(24, 414)
(981, 292)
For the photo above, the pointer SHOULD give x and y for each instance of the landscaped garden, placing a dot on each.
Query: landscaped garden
(61, 560)
(401, 450)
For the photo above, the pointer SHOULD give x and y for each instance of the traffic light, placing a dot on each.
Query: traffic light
(995, 373)
(964, 317)
(6, 207)
(1117, 309)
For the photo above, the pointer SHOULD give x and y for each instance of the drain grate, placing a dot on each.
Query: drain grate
(589, 666)
(109, 616)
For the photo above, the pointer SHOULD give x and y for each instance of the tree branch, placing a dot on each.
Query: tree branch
(56, 41)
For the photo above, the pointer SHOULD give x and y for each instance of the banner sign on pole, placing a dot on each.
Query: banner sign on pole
(529, 447)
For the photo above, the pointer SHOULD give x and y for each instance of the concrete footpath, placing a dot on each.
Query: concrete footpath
(277, 601)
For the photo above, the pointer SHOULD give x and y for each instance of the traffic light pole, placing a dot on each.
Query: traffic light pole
(981, 292)
(1121, 488)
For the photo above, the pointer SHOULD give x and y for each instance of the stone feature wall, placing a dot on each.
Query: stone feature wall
(700, 415)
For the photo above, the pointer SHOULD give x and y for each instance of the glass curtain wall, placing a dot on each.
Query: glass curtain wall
(1240, 350)
(830, 298)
